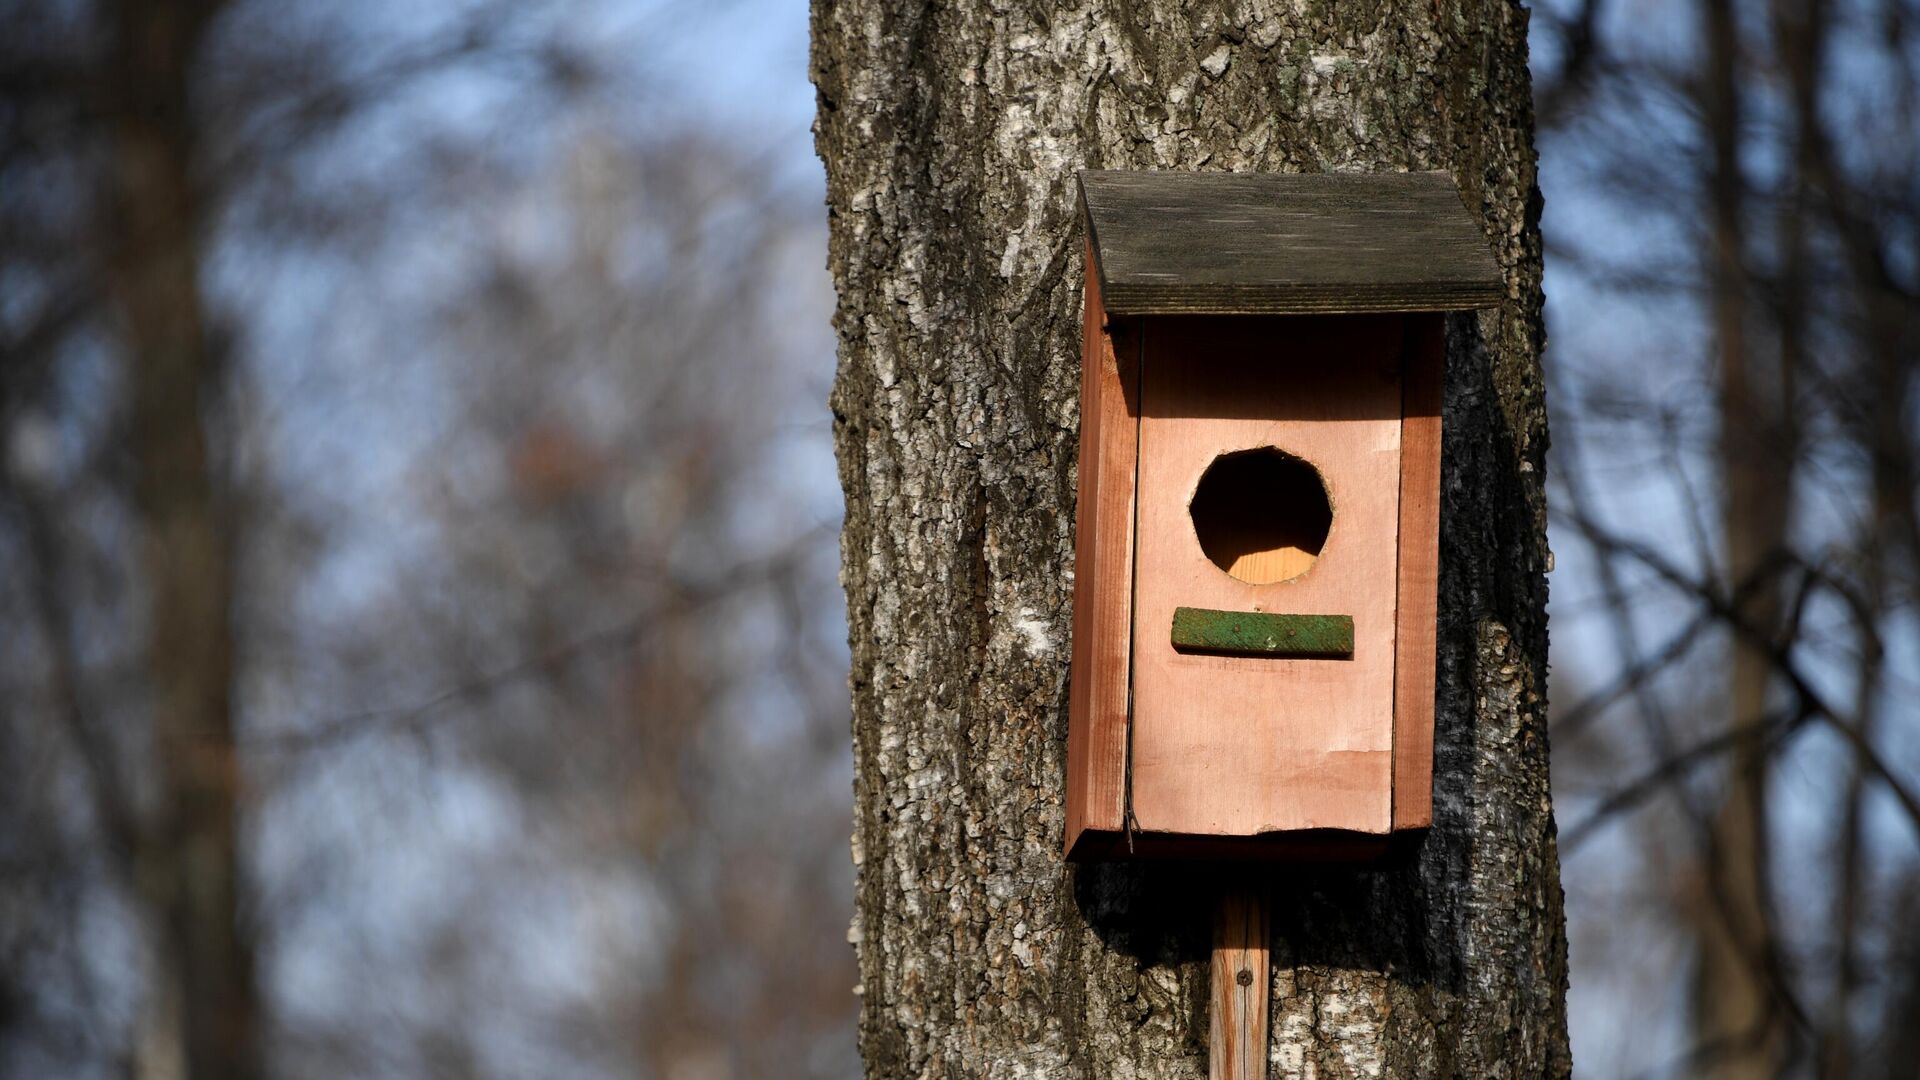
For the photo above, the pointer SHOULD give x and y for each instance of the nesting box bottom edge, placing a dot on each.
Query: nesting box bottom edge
(1331, 846)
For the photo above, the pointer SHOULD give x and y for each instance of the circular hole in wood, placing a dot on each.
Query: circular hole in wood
(1261, 515)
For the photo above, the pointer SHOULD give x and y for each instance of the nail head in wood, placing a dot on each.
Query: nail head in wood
(1237, 1000)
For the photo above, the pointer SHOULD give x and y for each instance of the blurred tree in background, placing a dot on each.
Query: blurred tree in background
(1735, 244)
(421, 654)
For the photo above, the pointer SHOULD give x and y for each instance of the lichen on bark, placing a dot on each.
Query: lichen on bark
(951, 134)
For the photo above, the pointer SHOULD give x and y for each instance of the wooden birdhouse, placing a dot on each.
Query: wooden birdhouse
(1255, 575)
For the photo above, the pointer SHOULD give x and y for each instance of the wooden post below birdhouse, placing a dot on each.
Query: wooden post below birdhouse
(1255, 586)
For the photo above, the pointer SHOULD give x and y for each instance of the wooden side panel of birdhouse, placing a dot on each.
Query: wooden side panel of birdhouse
(1103, 577)
(1415, 647)
(1246, 745)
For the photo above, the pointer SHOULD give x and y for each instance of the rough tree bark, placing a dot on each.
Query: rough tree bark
(951, 134)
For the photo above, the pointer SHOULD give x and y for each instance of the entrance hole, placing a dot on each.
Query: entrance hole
(1261, 515)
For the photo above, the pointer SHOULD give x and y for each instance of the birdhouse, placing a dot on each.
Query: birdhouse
(1259, 510)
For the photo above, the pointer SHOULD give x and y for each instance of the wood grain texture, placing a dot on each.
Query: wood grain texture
(1097, 698)
(1239, 746)
(1238, 987)
(1270, 243)
(1271, 565)
(1415, 641)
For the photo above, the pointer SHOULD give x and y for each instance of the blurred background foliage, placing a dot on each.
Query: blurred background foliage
(1733, 253)
(422, 650)
(510, 537)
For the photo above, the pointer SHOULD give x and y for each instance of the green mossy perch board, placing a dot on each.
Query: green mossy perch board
(1255, 633)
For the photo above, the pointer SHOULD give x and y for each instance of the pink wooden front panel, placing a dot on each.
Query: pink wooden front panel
(1238, 746)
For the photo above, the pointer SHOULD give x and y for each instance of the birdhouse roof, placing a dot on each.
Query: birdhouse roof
(1179, 243)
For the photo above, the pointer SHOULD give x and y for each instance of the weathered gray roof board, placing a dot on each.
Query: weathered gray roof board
(1173, 243)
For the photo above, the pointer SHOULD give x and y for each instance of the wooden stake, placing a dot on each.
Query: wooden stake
(1238, 999)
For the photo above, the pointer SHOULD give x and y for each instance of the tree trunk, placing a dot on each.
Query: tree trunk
(1738, 1026)
(202, 1007)
(951, 134)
